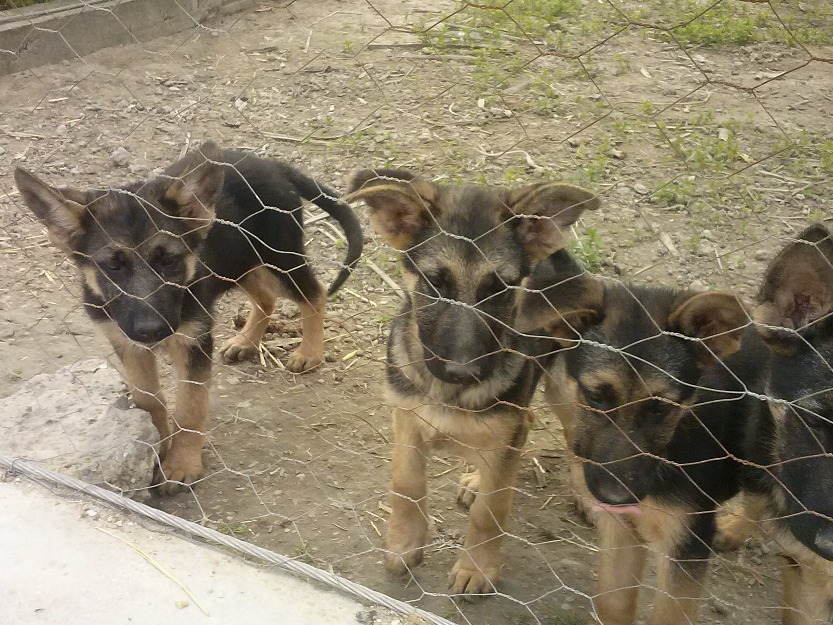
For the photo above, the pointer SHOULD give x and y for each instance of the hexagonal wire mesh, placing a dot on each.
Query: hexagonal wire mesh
(703, 128)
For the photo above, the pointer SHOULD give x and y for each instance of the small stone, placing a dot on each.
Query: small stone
(641, 189)
(366, 617)
(120, 157)
(61, 130)
(697, 285)
(761, 255)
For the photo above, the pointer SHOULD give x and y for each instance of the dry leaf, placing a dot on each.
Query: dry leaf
(644, 72)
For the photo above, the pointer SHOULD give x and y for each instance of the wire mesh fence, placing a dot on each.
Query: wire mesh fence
(637, 169)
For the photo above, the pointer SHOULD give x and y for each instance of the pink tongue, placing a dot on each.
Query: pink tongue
(606, 507)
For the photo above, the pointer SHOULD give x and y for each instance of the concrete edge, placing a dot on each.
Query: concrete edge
(67, 29)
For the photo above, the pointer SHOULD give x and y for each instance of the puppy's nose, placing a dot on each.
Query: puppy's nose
(612, 492)
(470, 372)
(151, 330)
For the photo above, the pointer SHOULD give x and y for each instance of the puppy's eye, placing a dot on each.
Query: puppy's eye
(441, 282)
(167, 260)
(493, 285)
(660, 408)
(116, 262)
(595, 398)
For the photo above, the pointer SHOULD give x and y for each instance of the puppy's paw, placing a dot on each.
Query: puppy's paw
(732, 531)
(401, 563)
(238, 348)
(467, 580)
(469, 483)
(303, 360)
(179, 468)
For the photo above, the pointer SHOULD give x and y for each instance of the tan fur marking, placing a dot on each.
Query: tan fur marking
(91, 280)
(190, 266)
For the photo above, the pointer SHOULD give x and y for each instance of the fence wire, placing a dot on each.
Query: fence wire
(625, 205)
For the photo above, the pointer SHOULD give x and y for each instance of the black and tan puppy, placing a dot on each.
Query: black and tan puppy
(786, 365)
(457, 374)
(632, 360)
(154, 256)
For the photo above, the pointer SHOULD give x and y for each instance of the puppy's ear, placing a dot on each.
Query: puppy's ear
(715, 317)
(60, 210)
(194, 183)
(798, 288)
(545, 211)
(401, 203)
(560, 298)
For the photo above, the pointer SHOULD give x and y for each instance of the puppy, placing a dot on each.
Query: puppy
(154, 256)
(458, 376)
(632, 360)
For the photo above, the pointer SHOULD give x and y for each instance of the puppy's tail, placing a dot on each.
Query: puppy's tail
(326, 198)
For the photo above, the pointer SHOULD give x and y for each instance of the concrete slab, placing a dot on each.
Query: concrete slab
(73, 560)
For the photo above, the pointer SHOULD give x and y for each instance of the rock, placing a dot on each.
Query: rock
(70, 422)
(120, 157)
(641, 189)
(761, 255)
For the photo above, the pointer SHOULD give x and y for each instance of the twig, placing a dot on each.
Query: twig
(159, 568)
(386, 278)
(290, 139)
(361, 297)
(780, 177)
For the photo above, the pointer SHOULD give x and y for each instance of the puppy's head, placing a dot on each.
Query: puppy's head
(632, 358)
(794, 316)
(465, 250)
(136, 246)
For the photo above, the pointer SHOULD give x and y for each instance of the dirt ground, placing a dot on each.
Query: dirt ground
(703, 179)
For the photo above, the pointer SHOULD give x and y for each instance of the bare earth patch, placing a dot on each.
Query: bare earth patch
(708, 157)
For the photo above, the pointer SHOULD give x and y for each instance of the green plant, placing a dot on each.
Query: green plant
(589, 248)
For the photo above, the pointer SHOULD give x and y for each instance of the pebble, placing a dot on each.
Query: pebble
(120, 157)
(761, 255)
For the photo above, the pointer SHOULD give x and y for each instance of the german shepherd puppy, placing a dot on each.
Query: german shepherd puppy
(154, 256)
(786, 363)
(457, 373)
(632, 360)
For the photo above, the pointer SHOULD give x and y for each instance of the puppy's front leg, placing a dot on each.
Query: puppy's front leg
(143, 382)
(478, 568)
(621, 563)
(183, 462)
(408, 526)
